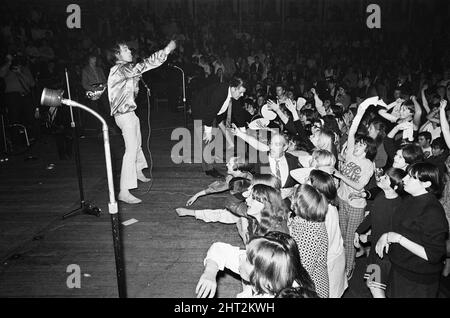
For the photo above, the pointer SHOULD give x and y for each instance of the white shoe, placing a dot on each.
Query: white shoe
(129, 198)
(143, 178)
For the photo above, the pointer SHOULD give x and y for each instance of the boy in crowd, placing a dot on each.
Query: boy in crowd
(439, 154)
(424, 140)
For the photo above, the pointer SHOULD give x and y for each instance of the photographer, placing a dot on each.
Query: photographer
(93, 81)
(18, 86)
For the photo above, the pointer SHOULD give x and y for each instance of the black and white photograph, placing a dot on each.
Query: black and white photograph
(203, 151)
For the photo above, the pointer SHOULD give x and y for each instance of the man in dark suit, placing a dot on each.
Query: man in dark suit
(210, 106)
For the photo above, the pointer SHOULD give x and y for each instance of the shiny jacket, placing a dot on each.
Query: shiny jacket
(123, 82)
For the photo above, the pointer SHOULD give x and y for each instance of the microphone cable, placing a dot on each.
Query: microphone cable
(150, 153)
(150, 168)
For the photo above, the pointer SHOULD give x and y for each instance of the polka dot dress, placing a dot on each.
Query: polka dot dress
(312, 241)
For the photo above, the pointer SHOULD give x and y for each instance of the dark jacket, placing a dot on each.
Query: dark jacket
(422, 220)
(292, 162)
(207, 102)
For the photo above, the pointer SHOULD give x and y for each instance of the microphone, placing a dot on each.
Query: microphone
(175, 66)
(51, 97)
(54, 98)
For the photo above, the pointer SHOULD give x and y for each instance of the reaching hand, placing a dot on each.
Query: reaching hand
(413, 98)
(368, 102)
(260, 125)
(363, 238)
(207, 136)
(170, 47)
(399, 101)
(206, 286)
(425, 87)
(290, 105)
(336, 173)
(313, 90)
(234, 129)
(443, 104)
(191, 200)
(271, 105)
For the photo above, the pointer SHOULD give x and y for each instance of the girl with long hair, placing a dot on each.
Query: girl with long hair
(324, 183)
(307, 227)
(265, 211)
(238, 176)
(268, 265)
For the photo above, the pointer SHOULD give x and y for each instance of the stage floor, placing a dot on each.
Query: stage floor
(163, 252)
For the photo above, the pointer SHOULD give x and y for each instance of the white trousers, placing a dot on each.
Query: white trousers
(133, 159)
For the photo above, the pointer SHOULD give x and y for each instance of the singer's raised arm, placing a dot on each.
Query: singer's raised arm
(124, 77)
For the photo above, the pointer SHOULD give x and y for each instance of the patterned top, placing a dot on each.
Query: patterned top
(359, 170)
(312, 241)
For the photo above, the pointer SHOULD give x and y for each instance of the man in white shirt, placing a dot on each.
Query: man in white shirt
(280, 163)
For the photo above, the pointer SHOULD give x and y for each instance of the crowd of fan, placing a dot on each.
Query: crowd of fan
(369, 172)
(368, 122)
(366, 116)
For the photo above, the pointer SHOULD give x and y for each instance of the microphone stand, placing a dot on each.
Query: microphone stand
(184, 93)
(4, 156)
(146, 86)
(49, 99)
(85, 207)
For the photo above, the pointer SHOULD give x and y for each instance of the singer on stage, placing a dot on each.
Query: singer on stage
(123, 87)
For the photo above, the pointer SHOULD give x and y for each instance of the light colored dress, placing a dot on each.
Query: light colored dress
(336, 254)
